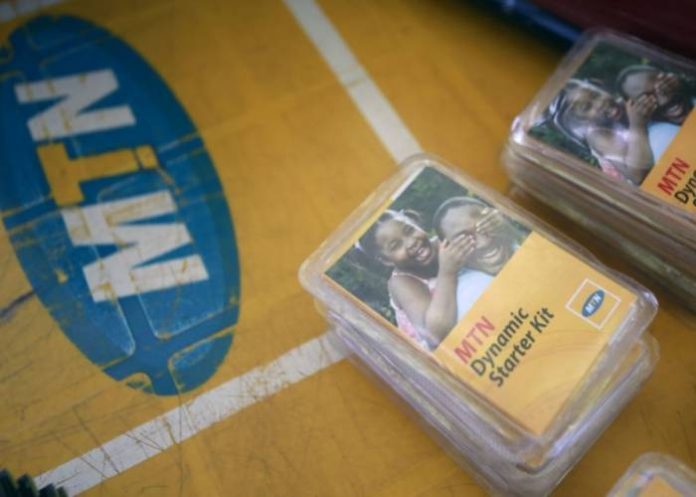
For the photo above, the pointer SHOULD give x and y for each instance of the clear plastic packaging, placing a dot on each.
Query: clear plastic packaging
(656, 475)
(529, 369)
(607, 141)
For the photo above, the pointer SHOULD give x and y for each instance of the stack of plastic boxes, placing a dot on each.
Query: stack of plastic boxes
(512, 344)
(609, 141)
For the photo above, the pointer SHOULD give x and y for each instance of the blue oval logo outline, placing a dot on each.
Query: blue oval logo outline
(593, 303)
(168, 340)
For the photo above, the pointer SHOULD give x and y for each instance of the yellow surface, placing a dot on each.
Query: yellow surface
(295, 157)
(659, 488)
(64, 175)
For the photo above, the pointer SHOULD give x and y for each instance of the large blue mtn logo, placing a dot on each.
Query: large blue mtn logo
(113, 206)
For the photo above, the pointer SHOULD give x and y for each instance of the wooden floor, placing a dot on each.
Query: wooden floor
(295, 156)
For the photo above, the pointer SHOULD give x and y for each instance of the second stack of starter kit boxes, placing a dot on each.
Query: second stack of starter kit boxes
(609, 142)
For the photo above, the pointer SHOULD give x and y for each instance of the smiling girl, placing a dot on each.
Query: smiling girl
(423, 282)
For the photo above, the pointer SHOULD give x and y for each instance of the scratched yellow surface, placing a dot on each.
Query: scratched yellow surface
(295, 156)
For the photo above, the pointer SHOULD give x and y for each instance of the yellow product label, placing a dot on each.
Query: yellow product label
(533, 336)
(673, 178)
(658, 487)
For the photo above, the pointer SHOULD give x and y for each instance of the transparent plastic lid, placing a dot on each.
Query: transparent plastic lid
(616, 118)
(656, 475)
(478, 291)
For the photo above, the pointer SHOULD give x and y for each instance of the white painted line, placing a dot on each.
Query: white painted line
(373, 105)
(175, 426)
(156, 436)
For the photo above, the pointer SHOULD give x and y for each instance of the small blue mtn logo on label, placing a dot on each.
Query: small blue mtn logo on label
(593, 303)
